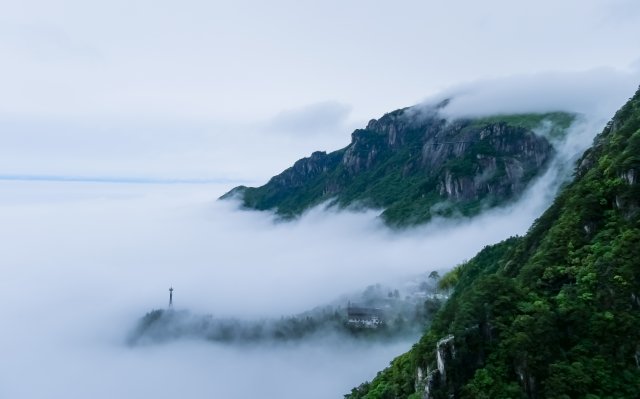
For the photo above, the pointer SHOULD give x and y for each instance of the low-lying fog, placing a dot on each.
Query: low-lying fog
(84, 261)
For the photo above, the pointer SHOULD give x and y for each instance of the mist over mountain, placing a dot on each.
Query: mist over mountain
(379, 313)
(415, 164)
(553, 313)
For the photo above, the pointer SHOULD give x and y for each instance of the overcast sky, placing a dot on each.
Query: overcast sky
(240, 89)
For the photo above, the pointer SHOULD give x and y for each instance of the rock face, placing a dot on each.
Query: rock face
(437, 378)
(414, 165)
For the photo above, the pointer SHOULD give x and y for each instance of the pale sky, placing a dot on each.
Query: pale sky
(241, 89)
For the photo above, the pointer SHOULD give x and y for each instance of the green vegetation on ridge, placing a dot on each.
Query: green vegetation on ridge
(558, 121)
(415, 168)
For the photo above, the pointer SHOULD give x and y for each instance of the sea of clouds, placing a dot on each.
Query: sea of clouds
(83, 261)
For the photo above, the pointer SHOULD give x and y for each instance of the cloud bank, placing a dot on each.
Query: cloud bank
(83, 261)
(595, 93)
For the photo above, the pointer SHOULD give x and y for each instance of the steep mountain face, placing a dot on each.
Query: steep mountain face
(416, 164)
(553, 314)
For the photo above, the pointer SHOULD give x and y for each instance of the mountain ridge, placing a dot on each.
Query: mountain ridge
(416, 164)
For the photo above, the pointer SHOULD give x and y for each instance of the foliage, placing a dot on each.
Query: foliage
(556, 313)
(557, 122)
(406, 179)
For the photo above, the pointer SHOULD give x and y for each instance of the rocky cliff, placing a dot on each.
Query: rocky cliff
(414, 164)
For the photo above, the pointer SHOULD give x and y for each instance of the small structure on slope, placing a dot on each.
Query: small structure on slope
(364, 317)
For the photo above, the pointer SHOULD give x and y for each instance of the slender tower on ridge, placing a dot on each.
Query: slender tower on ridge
(171, 297)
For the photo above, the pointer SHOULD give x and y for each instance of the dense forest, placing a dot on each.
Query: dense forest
(553, 314)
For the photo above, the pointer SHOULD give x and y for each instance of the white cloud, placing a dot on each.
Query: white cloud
(596, 93)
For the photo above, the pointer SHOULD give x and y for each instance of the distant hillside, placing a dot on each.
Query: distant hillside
(416, 164)
(377, 313)
(553, 314)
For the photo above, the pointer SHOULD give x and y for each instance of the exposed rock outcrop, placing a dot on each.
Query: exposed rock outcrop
(408, 161)
(428, 382)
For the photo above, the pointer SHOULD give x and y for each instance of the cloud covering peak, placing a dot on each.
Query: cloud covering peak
(596, 93)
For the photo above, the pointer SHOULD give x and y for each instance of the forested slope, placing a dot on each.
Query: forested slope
(553, 314)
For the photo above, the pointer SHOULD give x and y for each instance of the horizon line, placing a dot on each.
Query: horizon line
(118, 179)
